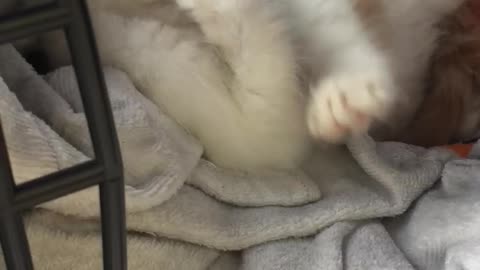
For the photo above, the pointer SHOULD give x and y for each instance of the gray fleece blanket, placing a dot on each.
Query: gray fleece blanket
(186, 213)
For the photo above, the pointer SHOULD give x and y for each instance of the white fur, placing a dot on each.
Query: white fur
(358, 82)
(238, 95)
(352, 84)
(233, 83)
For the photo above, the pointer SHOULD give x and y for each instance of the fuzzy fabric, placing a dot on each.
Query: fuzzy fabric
(449, 112)
(442, 230)
(214, 218)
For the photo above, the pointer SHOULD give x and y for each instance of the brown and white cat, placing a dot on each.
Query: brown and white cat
(450, 110)
(232, 78)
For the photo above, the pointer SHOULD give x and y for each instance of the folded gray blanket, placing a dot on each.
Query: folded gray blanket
(442, 230)
(184, 212)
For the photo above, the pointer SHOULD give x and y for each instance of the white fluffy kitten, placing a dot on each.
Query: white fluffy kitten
(234, 83)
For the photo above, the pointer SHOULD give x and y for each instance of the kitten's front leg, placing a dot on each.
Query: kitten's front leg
(355, 86)
(346, 103)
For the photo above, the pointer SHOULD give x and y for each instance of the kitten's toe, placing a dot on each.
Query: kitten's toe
(342, 106)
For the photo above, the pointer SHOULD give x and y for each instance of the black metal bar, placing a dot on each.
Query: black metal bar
(14, 242)
(12, 230)
(32, 22)
(106, 169)
(58, 184)
(112, 201)
(93, 91)
(102, 130)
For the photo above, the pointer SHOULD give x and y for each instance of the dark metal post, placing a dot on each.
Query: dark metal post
(97, 109)
(12, 231)
(106, 170)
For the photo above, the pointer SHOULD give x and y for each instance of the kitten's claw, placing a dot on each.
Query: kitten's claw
(347, 105)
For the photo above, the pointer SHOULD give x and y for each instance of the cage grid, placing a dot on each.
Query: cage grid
(105, 170)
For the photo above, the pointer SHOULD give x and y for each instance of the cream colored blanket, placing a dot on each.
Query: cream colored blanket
(186, 213)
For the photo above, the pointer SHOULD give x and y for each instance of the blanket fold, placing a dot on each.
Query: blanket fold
(442, 230)
(172, 193)
(346, 245)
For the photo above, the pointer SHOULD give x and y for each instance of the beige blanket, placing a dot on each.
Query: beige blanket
(186, 213)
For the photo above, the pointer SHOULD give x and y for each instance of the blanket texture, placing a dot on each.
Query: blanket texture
(186, 213)
(442, 230)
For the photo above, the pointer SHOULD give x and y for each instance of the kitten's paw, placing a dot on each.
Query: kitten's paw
(347, 105)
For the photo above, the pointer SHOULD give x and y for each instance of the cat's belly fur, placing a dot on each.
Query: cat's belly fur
(187, 81)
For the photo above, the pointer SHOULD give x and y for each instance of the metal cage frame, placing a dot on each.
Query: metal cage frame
(105, 170)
